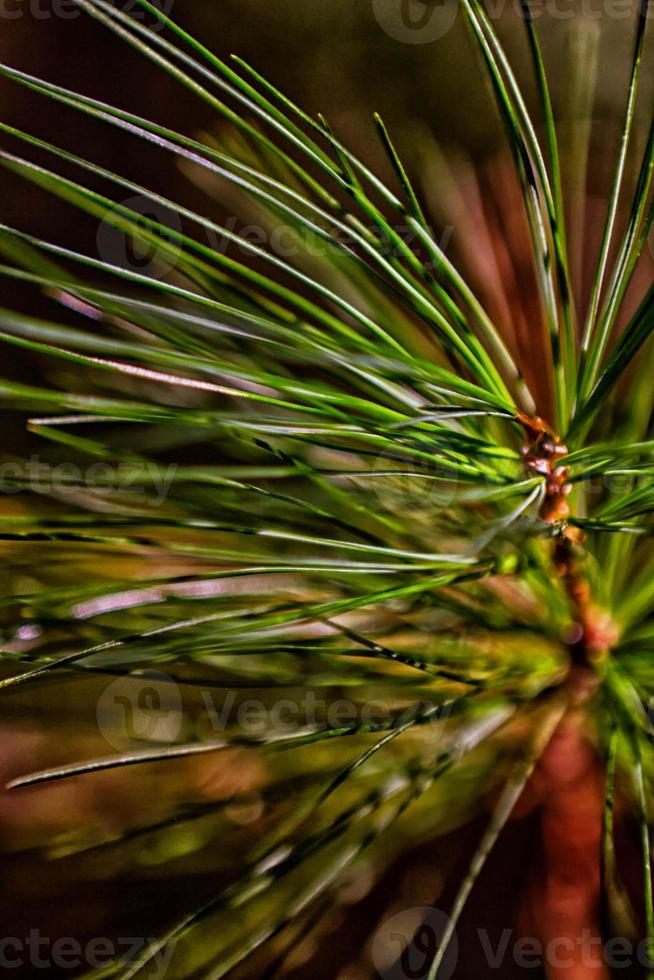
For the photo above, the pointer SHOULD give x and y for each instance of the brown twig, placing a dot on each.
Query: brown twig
(593, 630)
(565, 901)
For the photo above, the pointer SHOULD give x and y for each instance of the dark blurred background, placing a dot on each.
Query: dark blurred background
(411, 61)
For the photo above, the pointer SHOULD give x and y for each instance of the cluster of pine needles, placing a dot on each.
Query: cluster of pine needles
(367, 500)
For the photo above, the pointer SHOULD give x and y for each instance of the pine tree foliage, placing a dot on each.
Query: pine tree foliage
(376, 492)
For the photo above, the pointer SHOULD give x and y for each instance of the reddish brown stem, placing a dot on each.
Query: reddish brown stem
(564, 899)
(567, 784)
